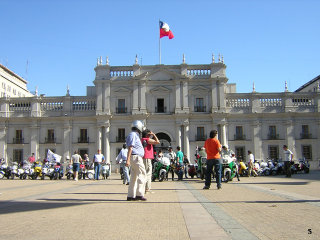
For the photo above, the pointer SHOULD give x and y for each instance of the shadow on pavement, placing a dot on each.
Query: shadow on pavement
(8, 207)
(271, 183)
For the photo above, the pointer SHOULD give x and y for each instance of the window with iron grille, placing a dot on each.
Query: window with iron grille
(273, 152)
(240, 153)
(83, 136)
(200, 134)
(199, 107)
(307, 152)
(121, 135)
(121, 106)
(18, 155)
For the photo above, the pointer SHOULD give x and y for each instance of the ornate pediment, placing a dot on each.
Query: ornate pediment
(199, 90)
(160, 74)
(122, 90)
(160, 89)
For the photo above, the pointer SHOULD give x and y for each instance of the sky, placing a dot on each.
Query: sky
(55, 44)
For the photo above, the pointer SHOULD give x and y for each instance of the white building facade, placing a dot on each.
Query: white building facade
(180, 103)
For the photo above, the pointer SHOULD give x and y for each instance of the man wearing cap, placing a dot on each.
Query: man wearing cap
(135, 155)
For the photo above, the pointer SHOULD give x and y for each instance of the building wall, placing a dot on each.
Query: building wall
(179, 86)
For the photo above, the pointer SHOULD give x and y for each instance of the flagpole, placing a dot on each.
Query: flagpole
(159, 45)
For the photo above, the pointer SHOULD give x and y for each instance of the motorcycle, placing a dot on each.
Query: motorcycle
(14, 170)
(37, 170)
(229, 169)
(277, 169)
(302, 166)
(69, 172)
(5, 170)
(58, 171)
(192, 170)
(47, 170)
(161, 169)
(243, 169)
(106, 170)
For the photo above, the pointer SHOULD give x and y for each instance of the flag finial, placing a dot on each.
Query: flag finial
(183, 59)
(212, 58)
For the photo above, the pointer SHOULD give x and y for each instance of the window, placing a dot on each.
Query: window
(305, 132)
(18, 155)
(160, 108)
(199, 107)
(240, 153)
(273, 133)
(3, 85)
(200, 134)
(121, 106)
(121, 135)
(307, 152)
(239, 133)
(83, 136)
(18, 139)
(273, 152)
(50, 137)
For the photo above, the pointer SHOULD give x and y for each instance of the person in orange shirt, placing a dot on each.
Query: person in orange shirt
(213, 148)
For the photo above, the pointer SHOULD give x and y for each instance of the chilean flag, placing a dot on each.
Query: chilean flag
(165, 30)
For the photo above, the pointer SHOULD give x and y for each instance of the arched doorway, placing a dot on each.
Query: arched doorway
(165, 142)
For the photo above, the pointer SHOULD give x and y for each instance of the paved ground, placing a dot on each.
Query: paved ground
(254, 208)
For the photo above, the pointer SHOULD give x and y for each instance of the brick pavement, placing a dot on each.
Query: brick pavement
(254, 208)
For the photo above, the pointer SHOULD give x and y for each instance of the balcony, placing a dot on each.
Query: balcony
(160, 109)
(200, 108)
(121, 110)
(201, 137)
(120, 138)
(50, 140)
(83, 140)
(273, 137)
(239, 137)
(18, 141)
(306, 135)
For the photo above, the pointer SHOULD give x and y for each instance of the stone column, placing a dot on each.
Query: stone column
(34, 139)
(185, 96)
(143, 89)
(67, 139)
(135, 97)
(3, 142)
(256, 140)
(99, 97)
(186, 140)
(106, 147)
(99, 137)
(178, 134)
(178, 97)
(223, 133)
(214, 96)
(289, 137)
(107, 97)
(221, 88)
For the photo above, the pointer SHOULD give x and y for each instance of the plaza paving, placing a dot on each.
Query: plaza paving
(254, 208)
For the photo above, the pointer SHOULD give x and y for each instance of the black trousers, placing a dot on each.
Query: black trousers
(287, 168)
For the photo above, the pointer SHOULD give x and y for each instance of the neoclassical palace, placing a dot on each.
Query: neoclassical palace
(180, 103)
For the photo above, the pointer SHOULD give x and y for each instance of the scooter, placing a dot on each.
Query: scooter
(14, 170)
(160, 169)
(106, 170)
(302, 166)
(37, 170)
(47, 170)
(4, 169)
(229, 169)
(69, 172)
(192, 170)
(58, 171)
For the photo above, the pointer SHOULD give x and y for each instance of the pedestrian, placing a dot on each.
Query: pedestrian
(186, 163)
(75, 161)
(122, 160)
(98, 159)
(135, 155)
(148, 140)
(234, 159)
(172, 157)
(288, 159)
(32, 158)
(179, 158)
(250, 163)
(213, 148)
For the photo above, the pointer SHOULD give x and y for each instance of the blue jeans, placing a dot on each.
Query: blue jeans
(216, 163)
(97, 167)
(125, 169)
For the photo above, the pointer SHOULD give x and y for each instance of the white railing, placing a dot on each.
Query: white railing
(121, 73)
(270, 102)
(303, 101)
(51, 104)
(238, 102)
(83, 104)
(198, 72)
(19, 105)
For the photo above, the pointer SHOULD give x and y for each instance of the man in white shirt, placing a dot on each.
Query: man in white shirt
(122, 160)
(98, 159)
(288, 158)
(75, 161)
(251, 164)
